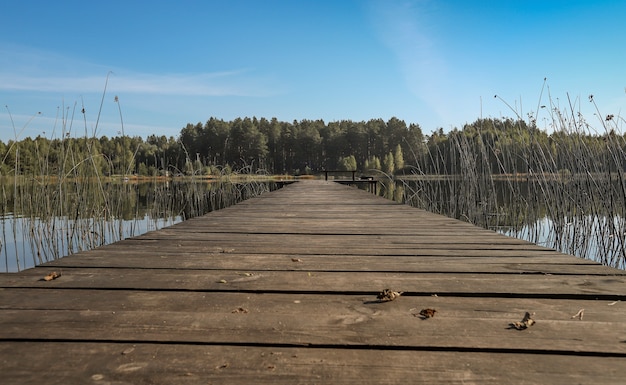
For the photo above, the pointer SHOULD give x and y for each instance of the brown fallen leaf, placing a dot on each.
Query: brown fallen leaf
(525, 323)
(427, 313)
(51, 276)
(388, 295)
(240, 310)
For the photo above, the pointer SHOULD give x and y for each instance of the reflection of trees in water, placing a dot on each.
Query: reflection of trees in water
(574, 216)
(45, 221)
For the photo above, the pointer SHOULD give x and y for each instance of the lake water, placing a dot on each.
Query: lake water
(33, 230)
(22, 248)
(585, 237)
(569, 219)
(27, 240)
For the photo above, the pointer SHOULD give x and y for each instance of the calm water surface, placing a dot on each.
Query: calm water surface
(582, 229)
(22, 248)
(30, 235)
(28, 240)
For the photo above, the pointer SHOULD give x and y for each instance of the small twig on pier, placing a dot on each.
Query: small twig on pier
(579, 314)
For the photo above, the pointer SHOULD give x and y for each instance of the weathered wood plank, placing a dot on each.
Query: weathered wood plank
(170, 259)
(152, 249)
(378, 241)
(312, 248)
(313, 320)
(136, 363)
(608, 287)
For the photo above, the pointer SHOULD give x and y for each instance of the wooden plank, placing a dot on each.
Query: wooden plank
(311, 248)
(330, 239)
(166, 259)
(339, 223)
(606, 287)
(312, 320)
(514, 255)
(137, 363)
(337, 248)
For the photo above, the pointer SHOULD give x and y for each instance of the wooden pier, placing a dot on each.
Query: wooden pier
(282, 289)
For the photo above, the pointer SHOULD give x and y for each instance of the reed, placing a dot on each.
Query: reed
(565, 190)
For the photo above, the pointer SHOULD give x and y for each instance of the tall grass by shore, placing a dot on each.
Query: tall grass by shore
(74, 206)
(566, 191)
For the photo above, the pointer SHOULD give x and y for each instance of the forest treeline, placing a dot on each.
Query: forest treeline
(494, 146)
(216, 146)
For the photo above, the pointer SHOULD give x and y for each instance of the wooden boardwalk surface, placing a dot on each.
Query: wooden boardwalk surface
(282, 289)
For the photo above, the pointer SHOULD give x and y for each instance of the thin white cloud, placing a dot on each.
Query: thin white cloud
(405, 28)
(18, 127)
(449, 93)
(233, 83)
(22, 69)
(208, 84)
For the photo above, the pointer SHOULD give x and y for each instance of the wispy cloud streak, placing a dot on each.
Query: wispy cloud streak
(22, 69)
(211, 84)
(405, 27)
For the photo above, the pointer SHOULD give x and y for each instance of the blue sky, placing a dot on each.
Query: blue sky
(437, 63)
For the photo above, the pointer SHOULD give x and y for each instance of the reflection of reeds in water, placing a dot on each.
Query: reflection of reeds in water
(53, 220)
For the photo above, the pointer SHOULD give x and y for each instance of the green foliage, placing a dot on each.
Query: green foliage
(347, 163)
(244, 143)
(398, 158)
(373, 163)
(388, 164)
(500, 146)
